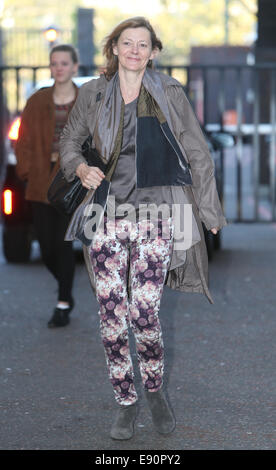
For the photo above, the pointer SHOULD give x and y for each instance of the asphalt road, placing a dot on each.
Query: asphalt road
(220, 359)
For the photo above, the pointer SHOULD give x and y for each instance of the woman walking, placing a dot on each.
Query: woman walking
(148, 137)
(37, 152)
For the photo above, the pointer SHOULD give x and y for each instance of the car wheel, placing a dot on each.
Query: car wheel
(17, 242)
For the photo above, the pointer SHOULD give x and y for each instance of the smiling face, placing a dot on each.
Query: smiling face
(134, 49)
(62, 66)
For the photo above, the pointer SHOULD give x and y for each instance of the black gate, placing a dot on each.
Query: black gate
(236, 99)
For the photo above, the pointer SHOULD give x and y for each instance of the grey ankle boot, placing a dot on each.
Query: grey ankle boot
(162, 416)
(123, 425)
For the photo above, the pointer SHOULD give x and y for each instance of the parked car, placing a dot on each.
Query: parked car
(18, 232)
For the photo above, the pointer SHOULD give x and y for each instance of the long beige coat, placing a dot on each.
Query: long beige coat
(192, 275)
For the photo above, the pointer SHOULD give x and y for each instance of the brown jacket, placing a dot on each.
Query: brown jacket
(34, 145)
(192, 275)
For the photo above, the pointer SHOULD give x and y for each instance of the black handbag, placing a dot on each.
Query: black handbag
(66, 196)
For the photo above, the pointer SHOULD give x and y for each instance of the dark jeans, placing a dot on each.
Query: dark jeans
(58, 255)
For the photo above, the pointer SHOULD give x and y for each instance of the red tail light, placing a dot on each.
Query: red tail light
(14, 129)
(7, 202)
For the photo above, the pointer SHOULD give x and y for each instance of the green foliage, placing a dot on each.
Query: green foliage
(179, 24)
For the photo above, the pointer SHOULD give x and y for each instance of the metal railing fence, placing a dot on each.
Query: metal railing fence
(237, 99)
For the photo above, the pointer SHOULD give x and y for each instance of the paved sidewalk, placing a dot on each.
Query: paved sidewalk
(220, 359)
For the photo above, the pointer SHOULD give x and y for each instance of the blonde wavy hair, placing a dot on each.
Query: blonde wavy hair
(111, 59)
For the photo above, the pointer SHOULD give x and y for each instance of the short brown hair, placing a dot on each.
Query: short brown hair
(66, 48)
(112, 39)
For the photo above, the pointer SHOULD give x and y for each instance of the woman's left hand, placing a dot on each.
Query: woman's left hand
(214, 231)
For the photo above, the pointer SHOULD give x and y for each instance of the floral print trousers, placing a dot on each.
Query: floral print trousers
(130, 270)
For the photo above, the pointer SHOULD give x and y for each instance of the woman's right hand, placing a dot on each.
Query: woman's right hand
(90, 176)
